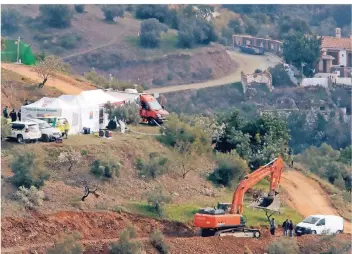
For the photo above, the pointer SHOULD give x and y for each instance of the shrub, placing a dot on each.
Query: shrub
(185, 38)
(10, 20)
(5, 128)
(176, 132)
(157, 200)
(236, 26)
(31, 197)
(154, 167)
(79, 8)
(223, 41)
(125, 245)
(150, 33)
(70, 158)
(56, 15)
(280, 76)
(69, 41)
(157, 239)
(28, 171)
(113, 11)
(105, 168)
(128, 113)
(195, 31)
(68, 245)
(283, 246)
(149, 11)
(230, 169)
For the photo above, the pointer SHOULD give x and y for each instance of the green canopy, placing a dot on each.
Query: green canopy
(9, 54)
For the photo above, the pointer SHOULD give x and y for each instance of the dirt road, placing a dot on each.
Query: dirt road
(247, 64)
(308, 197)
(65, 84)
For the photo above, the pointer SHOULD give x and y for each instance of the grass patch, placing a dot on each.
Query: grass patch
(185, 212)
(182, 212)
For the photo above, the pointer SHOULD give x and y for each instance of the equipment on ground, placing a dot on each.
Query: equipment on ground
(227, 219)
(151, 111)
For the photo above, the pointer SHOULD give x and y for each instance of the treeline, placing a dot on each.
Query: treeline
(279, 20)
(191, 23)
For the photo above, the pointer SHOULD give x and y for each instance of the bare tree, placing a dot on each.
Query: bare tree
(184, 161)
(88, 190)
(46, 69)
(70, 158)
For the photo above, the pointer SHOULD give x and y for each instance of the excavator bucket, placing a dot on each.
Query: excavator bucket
(272, 203)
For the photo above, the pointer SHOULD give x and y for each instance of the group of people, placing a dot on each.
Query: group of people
(287, 227)
(13, 114)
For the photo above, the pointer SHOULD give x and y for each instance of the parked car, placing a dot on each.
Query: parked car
(48, 133)
(55, 122)
(25, 131)
(321, 225)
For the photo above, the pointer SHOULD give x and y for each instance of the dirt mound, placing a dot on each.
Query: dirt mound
(40, 228)
(231, 245)
(175, 68)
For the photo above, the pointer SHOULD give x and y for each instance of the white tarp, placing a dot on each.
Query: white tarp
(98, 97)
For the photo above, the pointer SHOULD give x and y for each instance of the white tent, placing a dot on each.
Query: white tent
(83, 110)
(53, 107)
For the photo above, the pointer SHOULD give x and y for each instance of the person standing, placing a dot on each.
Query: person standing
(26, 102)
(19, 115)
(290, 228)
(272, 226)
(67, 128)
(13, 115)
(6, 112)
(285, 227)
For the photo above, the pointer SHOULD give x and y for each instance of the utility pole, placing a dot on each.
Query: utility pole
(18, 48)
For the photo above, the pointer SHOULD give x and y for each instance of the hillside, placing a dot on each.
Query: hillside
(123, 200)
(112, 48)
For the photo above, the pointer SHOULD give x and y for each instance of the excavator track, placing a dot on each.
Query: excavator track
(236, 232)
(246, 232)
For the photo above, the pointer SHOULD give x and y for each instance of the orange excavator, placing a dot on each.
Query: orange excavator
(227, 219)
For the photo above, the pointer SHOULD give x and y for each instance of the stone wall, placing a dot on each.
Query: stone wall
(263, 78)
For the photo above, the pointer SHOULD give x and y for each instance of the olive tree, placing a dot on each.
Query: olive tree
(47, 68)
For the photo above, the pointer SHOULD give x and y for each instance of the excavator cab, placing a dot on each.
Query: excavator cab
(224, 206)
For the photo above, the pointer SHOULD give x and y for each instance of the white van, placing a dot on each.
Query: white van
(321, 225)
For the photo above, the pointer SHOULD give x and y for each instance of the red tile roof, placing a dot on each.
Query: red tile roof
(333, 42)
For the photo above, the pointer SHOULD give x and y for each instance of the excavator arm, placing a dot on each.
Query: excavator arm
(273, 168)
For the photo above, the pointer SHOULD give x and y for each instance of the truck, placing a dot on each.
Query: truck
(252, 50)
(151, 111)
(227, 218)
(320, 224)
